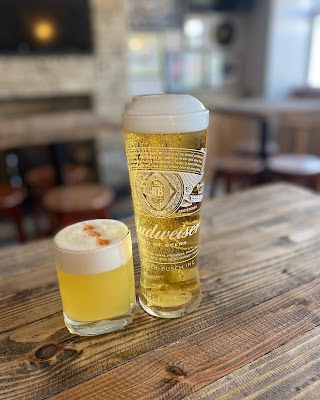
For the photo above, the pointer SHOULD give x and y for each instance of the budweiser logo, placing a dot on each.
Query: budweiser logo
(155, 233)
(159, 193)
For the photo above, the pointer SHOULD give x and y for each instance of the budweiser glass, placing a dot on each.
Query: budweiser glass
(95, 274)
(166, 147)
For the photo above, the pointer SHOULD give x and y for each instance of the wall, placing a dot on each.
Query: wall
(102, 74)
(288, 46)
(255, 55)
(25, 77)
(278, 47)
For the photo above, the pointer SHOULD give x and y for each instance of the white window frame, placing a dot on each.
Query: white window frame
(313, 78)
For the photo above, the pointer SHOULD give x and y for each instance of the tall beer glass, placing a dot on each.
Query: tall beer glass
(95, 273)
(165, 148)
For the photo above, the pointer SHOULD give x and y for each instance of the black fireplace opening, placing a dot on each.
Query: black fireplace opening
(45, 27)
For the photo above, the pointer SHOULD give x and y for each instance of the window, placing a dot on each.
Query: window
(314, 61)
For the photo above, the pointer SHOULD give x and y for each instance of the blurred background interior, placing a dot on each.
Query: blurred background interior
(69, 67)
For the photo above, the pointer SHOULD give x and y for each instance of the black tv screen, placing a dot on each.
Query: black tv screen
(220, 5)
(45, 27)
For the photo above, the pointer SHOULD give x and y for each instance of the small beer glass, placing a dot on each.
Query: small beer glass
(96, 277)
(165, 138)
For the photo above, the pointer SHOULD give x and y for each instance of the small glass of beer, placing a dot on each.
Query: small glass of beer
(96, 277)
(165, 139)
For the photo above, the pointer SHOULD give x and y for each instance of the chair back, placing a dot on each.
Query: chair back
(300, 134)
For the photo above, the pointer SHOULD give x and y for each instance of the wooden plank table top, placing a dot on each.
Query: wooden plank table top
(256, 334)
(262, 108)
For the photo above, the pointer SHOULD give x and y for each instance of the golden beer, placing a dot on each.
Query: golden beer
(95, 274)
(165, 148)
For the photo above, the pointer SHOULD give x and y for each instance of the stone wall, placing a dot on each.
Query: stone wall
(111, 82)
(103, 75)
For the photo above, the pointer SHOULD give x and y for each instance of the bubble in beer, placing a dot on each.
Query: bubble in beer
(165, 149)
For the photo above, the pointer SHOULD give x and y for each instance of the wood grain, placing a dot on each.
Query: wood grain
(256, 246)
(181, 368)
(286, 372)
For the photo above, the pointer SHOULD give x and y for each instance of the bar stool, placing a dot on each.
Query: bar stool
(40, 179)
(11, 200)
(233, 169)
(299, 137)
(303, 169)
(70, 204)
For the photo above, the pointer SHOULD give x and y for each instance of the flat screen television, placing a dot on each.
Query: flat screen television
(45, 27)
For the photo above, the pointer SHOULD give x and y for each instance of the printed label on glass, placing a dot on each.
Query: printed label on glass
(168, 181)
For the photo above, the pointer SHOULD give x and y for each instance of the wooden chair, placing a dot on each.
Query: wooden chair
(11, 200)
(299, 140)
(251, 148)
(231, 168)
(70, 204)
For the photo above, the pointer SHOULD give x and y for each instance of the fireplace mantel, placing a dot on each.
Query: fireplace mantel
(54, 127)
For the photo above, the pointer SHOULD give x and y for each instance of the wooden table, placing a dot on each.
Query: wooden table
(265, 111)
(256, 334)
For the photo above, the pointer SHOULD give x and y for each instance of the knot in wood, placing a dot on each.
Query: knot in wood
(47, 351)
(176, 371)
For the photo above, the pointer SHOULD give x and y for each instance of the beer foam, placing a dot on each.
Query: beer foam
(165, 113)
(93, 247)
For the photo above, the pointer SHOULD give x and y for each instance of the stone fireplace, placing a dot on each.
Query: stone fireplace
(33, 85)
(98, 77)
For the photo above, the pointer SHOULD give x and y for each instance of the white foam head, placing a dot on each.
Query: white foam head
(93, 247)
(165, 113)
